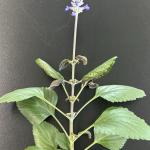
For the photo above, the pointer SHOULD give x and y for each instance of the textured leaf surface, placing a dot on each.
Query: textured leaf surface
(48, 69)
(48, 137)
(111, 142)
(100, 71)
(118, 121)
(119, 93)
(33, 148)
(22, 94)
(36, 110)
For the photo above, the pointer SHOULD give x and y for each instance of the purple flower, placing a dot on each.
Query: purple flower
(77, 6)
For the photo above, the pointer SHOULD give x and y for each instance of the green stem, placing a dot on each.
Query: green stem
(71, 120)
(91, 100)
(61, 126)
(90, 146)
(84, 131)
(75, 37)
(49, 103)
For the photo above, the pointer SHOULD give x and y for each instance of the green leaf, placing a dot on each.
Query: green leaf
(36, 110)
(47, 137)
(119, 93)
(118, 121)
(62, 141)
(111, 142)
(100, 71)
(48, 69)
(33, 148)
(22, 94)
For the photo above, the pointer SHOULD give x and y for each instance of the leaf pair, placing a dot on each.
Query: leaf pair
(47, 137)
(118, 124)
(30, 102)
(96, 73)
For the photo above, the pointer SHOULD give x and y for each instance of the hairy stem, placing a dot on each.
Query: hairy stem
(91, 100)
(59, 123)
(49, 103)
(71, 121)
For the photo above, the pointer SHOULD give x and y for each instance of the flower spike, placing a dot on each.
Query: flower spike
(77, 7)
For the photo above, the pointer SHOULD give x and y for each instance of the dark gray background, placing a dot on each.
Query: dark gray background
(40, 28)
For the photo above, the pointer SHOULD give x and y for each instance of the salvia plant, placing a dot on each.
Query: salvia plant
(112, 128)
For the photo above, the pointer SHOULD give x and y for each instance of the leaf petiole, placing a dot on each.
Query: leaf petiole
(67, 94)
(90, 146)
(61, 126)
(91, 100)
(46, 101)
(84, 131)
(82, 88)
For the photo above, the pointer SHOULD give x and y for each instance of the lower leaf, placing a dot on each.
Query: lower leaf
(117, 124)
(36, 110)
(109, 141)
(47, 137)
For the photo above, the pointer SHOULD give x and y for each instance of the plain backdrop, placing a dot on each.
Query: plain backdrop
(40, 28)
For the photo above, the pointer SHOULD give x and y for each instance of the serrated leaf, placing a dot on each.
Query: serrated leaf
(36, 110)
(22, 94)
(33, 148)
(100, 71)
(118, 121)
(48, 69)
(110, 142)
(47, 137)
(119, 93)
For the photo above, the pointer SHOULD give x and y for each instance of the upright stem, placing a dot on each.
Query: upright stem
(71, 121)
(75, 37)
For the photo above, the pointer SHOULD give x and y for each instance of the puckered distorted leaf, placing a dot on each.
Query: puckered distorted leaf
(119, 93)
(82, 59)
(48, 69)
(118, 121)
(100, 71)
(47, 137)
(64, 64)
(36, 110)
(55, 83)
(22, 94)
(33, 148)
(92, 85)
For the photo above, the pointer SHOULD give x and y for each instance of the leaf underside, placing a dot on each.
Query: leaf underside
(117, 124)
(100, 71)
(119, 93)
